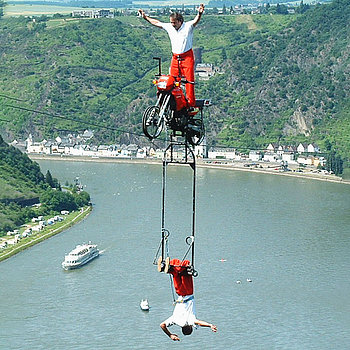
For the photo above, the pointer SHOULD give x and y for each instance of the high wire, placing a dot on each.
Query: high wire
(123, 131)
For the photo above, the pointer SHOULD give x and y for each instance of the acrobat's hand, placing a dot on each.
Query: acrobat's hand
(141, 13)
(214, 328)
(174, 337)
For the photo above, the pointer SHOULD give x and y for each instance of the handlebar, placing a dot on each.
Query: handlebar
(159, 65)
(184, 81)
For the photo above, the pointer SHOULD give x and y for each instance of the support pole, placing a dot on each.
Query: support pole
(163, 208)
(193, 166)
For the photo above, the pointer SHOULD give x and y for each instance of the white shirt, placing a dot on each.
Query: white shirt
(184, 312)
(182, 39)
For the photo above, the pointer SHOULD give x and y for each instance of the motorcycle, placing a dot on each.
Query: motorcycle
(171, 110)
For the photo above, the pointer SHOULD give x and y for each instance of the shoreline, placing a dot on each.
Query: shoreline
(219, 164)
(45, 235)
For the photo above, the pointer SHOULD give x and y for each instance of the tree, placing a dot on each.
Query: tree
(51, 181)
(334, 163)
(223, 54)
(82, 199)
(302, 7)
(327, 145)
(48, 179)
(281, 9)
(57, 201)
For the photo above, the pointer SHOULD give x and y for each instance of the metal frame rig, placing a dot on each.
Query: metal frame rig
(188, 158)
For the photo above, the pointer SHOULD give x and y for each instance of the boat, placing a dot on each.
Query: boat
(80, 255)
(144, 305)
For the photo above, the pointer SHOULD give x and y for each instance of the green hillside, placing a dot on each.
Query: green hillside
(285, 78)
(291, 85)
(22, 184)
(20, 178)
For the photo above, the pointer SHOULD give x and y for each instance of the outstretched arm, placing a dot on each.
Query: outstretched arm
(153, 21)
(199, 14)
(206, 324)
(168, 333)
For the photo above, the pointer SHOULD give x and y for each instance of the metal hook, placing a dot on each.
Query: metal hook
(190, 240)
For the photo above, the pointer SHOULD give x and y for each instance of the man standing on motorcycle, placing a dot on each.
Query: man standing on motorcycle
(181, 38)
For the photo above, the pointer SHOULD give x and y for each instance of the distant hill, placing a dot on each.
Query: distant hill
(20, 178)
(283, 78)
(22, 184)
(77, 3)
(291, 85)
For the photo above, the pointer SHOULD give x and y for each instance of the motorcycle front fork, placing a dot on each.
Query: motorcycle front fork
(163, 103)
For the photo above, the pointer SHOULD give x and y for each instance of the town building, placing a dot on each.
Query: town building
(92, 13)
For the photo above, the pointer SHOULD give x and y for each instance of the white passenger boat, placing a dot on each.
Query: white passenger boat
(80, 255)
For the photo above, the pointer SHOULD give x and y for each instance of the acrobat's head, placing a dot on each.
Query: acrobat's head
(187, 330)
(176, 20)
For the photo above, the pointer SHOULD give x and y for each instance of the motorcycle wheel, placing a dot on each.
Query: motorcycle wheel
(195, 132)
(151, 122)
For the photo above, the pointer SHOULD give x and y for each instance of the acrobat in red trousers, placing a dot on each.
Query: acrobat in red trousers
(187, 70)
(183, 282)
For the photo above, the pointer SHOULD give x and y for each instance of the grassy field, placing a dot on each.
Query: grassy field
(248, 20)
(15, 10)
(171, 3)
(20, 9)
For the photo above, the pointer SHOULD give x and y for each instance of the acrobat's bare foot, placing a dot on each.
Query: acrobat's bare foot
(160, 264)
(167, 265)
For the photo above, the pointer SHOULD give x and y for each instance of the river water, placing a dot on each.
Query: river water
(289, 236)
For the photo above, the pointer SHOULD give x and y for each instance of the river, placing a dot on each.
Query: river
(289, 236)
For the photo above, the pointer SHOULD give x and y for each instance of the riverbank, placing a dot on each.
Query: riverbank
(24, 243)
(258, 167)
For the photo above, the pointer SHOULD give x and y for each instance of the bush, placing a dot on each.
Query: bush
(82, 199)
(57, 201)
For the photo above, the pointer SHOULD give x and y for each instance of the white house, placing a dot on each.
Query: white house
(204, 70)
(159, 154)
(313, 148)
(305, 160)
(77, 150)
(201, 150)
(302, 148)
(35, 147)
(102, 13)
(152, 152)
(141, 153)
(271, 157)
(309, 148)
(289, 157)
(272, 147)
(222, 153)
(255, 156)
(104, 151)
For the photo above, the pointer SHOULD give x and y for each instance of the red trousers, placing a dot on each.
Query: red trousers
(183, 282)
(187, 71)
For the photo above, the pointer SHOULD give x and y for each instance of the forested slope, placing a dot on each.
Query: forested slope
(22, 184)
(283, 78)
(20, 178)
(291, 85)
